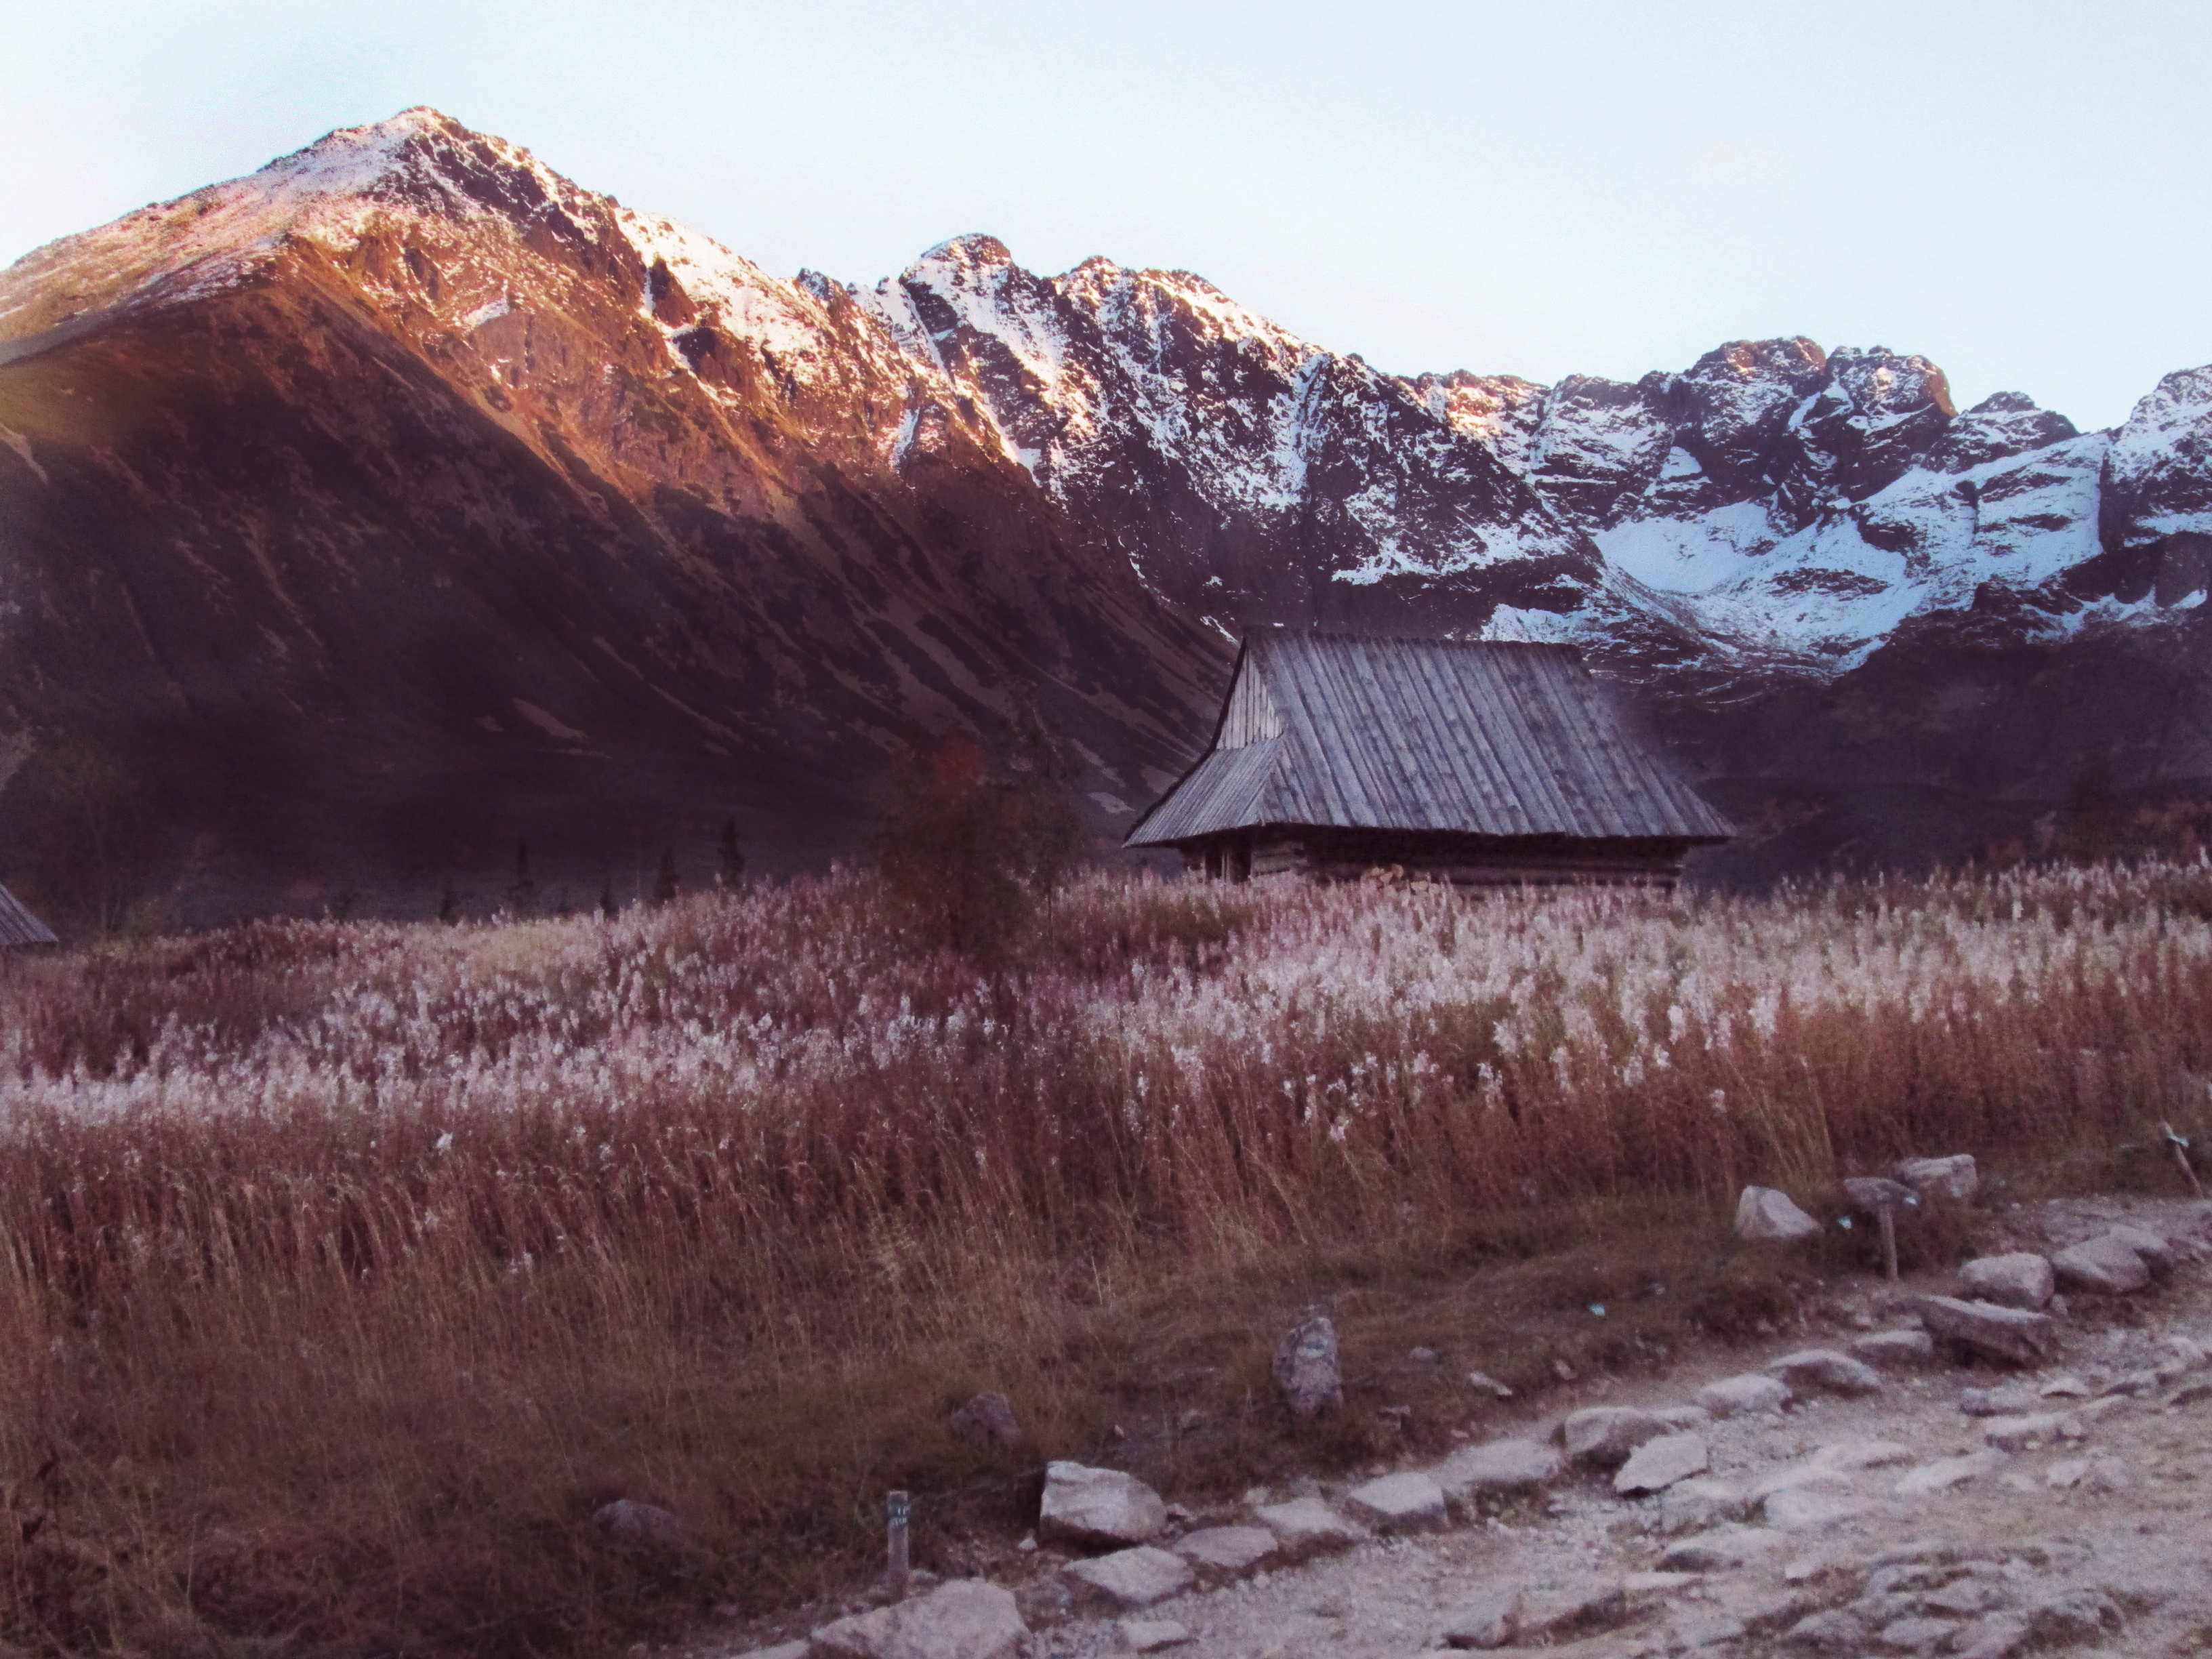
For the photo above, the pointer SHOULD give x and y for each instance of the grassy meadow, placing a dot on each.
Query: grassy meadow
(346, 1268)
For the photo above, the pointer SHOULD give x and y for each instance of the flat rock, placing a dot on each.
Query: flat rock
(1833, 1630)
(781, 1650)
(1824, 1368)
(1491, 1620)
(1307, 1368)
(1895, 1351)
(1859, 1452)
(1873, 1195)
(1305, 1526)
(1406, 1502)
(1130, 1578)
(1946, 1472)
(630, 1522)
(1678, 1417)
(1226, 1550)
(1583, 1604)
(1702, 1501)
(1151, 1635)
(1731, 1396)
(2011, 1401)
(1603, 1436)
(2104, 1266)
(2012, 1335)
(966, 1619)
(1954, 1177)
(1658, 1463)
(1098, 1507)
(2020, 1280)
(1484, 1381)
(1496, 1466)
(1918, 1633)
(1998, 1636)
(1765, 1215)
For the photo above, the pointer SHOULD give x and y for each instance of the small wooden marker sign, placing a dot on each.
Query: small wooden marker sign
(898, 1507)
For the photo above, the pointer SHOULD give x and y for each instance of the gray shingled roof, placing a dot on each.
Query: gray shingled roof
(19, 927)
(1483, 738)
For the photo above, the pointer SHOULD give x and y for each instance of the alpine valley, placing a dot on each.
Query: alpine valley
(405, 499)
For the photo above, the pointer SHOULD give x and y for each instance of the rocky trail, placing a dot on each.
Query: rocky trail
(2005, 1460)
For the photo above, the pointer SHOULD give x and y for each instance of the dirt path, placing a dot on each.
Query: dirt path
(2098, 1532)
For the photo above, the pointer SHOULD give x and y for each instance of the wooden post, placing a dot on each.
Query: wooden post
(898, 1507)
(2181, 1156)
(1888, 1218)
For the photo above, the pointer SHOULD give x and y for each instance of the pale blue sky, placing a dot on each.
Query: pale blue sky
(2019, 191)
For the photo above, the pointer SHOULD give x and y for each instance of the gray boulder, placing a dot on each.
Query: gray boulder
(1407, 1502)
(1129, 1579)
(1098, 1507)
(629, 1521)
(2012, 1335)
(1603, 1437)
(1226, 1551)
(2105, 1265)
(1307, 1368)
(1732, 1396)
(1306, 1525)
(989, 1418)
(1901, 1350)
(2021, 1280)
(1765, 1215)
(1496, 1466)
(1658, 1464)
(967, 1619)
(2156, 1249)
(1824, 1368)
(1491, 1620)
(1953, 1177)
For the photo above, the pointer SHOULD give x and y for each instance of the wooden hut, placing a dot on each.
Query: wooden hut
(1466, 761)
(18, 927)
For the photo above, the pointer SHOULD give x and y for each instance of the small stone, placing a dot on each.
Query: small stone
(1732, 1396)
(2065, 1473)
(1424, 1358)
(1860, 1452)
(1996, 1402)
(1488, 1620)
(2065, 1388)
(1700, 1501)
(1947, 1471)
(2074, 1615)
(1496, 1466)
(1150, 1635)
(1962, 1598)
(1803, 1510)
(1656, 1583)
(1830, 1561)
(989, 1418)
(1130, 1578)
(1895, 1349)
(1833, 1630)
(1410, 1502)
(1306, 1525)
(1488, 1384)
(1721, 1548)
(1098, 1507)
(1307, 1368)
(1824, 1368)
(1917, 1634)
(1952, 1178)
(1999, 1636)
(1603, 1436)
(2103, 1265)
(630, 1522)
(2014, 1434)
(2008, 1334)
(1765, 1215)
(1226, 1551)
(967, 1619)
(2021, 1280)
(1658, 1463)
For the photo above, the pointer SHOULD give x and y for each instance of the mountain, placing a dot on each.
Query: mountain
(364, 516)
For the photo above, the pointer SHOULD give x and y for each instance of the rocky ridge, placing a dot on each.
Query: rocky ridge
(406, 496)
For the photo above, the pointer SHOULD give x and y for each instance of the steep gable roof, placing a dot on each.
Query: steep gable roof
(1476, 737)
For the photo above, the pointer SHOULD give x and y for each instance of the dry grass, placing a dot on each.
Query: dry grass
(347, 1267)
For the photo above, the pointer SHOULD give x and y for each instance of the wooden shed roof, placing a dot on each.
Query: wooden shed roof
(1476, 737)
(19, 927)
